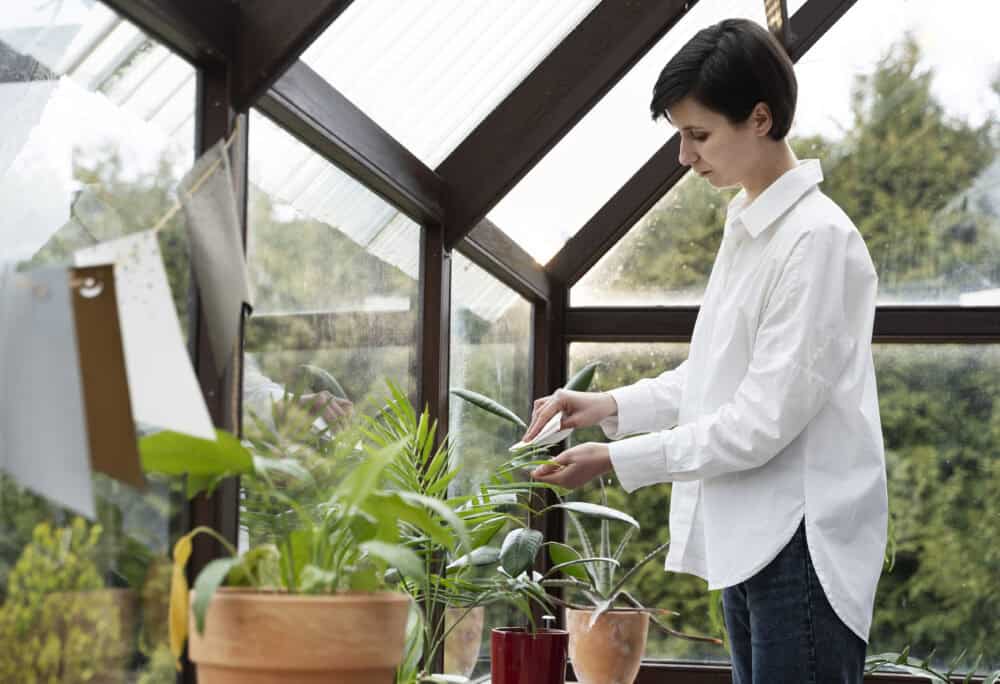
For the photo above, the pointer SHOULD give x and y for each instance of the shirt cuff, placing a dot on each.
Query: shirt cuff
(639, 461)
(635, 410)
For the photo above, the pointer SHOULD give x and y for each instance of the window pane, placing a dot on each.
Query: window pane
(623, 364)
(96, 120)
(334, 272)
(604, 149)
(491, 355)
(899, 100)
(429, 71)
(939, 419)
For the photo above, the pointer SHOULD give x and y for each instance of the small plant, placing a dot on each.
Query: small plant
(65, 627)
(902, 662)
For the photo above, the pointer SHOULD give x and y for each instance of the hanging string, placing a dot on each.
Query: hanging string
(165, 219)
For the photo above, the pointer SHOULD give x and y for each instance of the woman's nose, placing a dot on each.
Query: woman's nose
(687, 156)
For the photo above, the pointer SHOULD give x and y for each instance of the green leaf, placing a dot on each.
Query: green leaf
(399, 557)
(583, 378)
(320, 380)
(196, 484)
(393, 506)
(484, 555)
(208, 581)
(561, 554)
(597, 511)
(364, 478)
(443, 510)
(489, 405)
(173, 453)
(315, 580)
(517, 553)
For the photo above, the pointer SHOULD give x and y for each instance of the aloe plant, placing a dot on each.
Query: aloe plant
(902, 662)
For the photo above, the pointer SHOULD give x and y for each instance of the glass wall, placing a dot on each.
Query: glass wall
(97, 120)
(333, 269)
(902, 112)
(490, 355)
(938, 591)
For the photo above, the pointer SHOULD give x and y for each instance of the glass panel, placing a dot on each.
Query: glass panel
(582, 172)
(490, 354)
(334, 270)
(623, 364)
(96, 138)
(429, 71)
(899, 99)
(939, 420)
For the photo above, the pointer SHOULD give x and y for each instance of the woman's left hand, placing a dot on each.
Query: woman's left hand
(576, 467)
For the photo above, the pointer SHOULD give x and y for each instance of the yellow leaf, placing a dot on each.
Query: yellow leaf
(179, 598)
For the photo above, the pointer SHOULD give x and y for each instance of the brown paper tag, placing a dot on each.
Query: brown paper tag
(106, 401)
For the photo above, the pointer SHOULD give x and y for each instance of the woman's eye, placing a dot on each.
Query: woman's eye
(700, 137)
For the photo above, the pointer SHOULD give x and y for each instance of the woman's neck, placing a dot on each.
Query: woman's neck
(771, 167)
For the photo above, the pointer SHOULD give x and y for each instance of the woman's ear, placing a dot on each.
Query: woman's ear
(761, 119)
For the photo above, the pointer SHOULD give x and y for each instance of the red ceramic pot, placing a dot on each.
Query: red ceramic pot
(519, 657)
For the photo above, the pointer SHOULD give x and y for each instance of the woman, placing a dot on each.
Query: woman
(779, 492)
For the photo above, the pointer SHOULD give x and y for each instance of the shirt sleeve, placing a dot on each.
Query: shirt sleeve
(648, 405)
(802, 344)
(259, 391)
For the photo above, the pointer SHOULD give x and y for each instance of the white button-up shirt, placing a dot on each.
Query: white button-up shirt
(775, 408)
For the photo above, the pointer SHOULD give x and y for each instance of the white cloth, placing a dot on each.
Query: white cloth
(776, 407)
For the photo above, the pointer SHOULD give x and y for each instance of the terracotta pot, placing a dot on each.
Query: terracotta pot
(519, 657)
(611, 651)
(256, 638)
(461, 646)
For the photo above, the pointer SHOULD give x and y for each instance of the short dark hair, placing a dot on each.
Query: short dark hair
(730, 67)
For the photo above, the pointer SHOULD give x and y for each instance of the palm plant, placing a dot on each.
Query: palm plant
(425, 466)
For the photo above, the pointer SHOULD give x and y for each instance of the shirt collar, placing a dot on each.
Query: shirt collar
(776, 199)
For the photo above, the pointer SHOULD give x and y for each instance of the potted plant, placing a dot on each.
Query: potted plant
(902, 662)
(607, 637)
(309, 600)
(454, 589)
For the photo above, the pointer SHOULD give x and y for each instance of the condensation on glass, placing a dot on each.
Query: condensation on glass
(899, 99)
(97, 123)
(429, 71)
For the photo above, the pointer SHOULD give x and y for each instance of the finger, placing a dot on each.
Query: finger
(542, 416)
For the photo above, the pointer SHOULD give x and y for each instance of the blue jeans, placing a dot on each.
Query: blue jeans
(782, 629)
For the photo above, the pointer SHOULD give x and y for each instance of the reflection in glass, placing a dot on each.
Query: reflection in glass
(567, 187)
(429, 71)
(334, 272)
(97, 121)
(902, 114)
(490, 354)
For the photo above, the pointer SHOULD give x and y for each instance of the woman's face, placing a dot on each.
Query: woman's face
(722, 153)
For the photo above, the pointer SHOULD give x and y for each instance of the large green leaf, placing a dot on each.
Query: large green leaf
(484, 555)
(363, 480)
(393, 506)
(173, 453)
(487, 404)
(583, 378)
(399, 557)
(597, 511)
(517, 553)
(208, 581)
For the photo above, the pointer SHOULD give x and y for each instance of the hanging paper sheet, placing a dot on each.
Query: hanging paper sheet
(43, 436)
(213, 227)
(164, 388)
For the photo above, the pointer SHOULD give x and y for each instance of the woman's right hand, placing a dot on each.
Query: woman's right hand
(579, 409)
